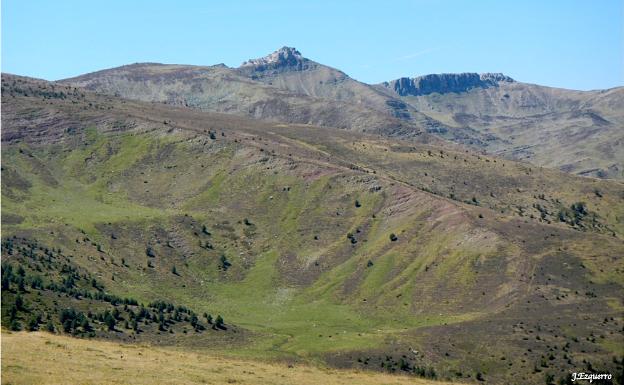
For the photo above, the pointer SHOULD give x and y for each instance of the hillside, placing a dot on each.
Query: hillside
(316, 245)
(576, 132)
(222, 89)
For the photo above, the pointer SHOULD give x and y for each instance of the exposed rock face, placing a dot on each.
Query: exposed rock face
(445, 83)
(285, 58)
(495, 77)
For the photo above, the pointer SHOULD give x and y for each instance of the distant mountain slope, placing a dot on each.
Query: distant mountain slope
(578, 132)
(288, 69)
(575, 131)
(222, 89)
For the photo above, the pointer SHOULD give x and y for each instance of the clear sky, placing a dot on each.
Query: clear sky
(561, 43)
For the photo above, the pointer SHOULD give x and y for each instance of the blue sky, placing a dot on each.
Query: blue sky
(561, 43)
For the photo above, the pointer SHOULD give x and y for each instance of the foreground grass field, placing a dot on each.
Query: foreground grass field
(66, 360)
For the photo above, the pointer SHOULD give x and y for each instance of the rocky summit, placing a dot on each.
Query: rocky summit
(283, 58)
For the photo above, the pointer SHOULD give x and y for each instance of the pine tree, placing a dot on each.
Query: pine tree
(6, 282)
(50, 326)
(109, 320)
(12, 312)
(219, 322)
(84, 324)
(19, 302)
(20, 283)
(15, 325)
(67, 325)
(33, 323)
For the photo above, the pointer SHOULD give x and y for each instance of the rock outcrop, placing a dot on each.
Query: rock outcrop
(285, 58)
(445, 83)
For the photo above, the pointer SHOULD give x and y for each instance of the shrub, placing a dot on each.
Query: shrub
(225, 264)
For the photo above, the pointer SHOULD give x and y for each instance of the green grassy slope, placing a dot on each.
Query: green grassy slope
(286, 231)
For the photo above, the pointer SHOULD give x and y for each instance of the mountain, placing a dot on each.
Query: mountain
(315, 245)
(249, 91)
(287, 69)
(577, 132)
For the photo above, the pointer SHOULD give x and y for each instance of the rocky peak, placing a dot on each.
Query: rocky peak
(445, 83)
(285, 58)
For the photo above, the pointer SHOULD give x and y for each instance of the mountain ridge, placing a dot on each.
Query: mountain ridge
(487, 112)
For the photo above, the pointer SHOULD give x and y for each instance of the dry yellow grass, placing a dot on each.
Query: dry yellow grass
(41, 358)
